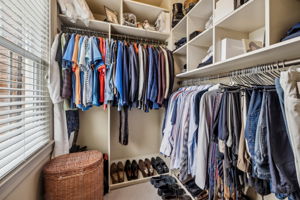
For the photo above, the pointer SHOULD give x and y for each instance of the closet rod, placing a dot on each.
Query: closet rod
(250, 70)
(114, 35)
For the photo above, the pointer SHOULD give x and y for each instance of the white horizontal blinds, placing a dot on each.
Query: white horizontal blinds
(25, 23)
(25, 107)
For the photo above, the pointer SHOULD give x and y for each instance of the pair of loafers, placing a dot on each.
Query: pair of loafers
(146, 168)
(131, 170)
(117, 172)
(159, 165)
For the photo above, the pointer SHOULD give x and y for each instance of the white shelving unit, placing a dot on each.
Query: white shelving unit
(141, 10)
(261, 20)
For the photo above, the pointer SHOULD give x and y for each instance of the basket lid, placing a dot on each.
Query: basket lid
(73, 162)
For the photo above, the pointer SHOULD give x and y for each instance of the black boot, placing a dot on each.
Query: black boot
(177, 13)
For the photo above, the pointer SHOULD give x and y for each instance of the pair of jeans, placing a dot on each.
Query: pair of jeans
(252, 120)
(281, 157)
(261, 160)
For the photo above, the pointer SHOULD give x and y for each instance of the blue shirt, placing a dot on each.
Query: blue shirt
(69, 52)
(97, 61)
(119, 74)
(125, 77)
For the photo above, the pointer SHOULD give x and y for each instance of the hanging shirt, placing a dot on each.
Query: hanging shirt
(110, 68)
(133, 76)
(125, 76)
(76, 71)
(102, 70)
(154, 86)
(97, 63)
(141, 75)
(119, 74)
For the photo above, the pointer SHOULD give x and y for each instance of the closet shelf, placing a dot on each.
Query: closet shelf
(246, 18)
(181, 50)
(141, 179)
(96, 25)
(277, 52)
(138, 32)
(182, 186)
(202, 9)
(102, 26)
(143, 11)
(204, 39)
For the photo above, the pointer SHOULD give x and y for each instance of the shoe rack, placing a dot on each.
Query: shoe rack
(271, 17)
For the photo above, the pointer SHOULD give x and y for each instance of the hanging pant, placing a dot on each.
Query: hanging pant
(123, 130)
(288, 81)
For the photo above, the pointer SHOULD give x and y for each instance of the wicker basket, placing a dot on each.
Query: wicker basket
(77, 176)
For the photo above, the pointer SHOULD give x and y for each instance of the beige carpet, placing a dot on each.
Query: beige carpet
(143, 191)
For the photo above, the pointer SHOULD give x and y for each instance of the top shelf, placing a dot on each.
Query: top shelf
(203, 9)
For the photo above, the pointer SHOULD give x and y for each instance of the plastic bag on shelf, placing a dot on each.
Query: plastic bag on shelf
(67, 8)
(162, 23)
(83, 11)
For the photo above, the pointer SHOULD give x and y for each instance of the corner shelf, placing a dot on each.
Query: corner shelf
(181, 50)
(204, 39)
(202, 9)
(281, 51)
(140, 179)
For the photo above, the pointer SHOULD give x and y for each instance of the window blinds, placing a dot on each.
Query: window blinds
(25, 107)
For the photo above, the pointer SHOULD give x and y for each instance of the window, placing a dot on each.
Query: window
(25, 106)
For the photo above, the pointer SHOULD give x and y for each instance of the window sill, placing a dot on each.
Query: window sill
(11, 181)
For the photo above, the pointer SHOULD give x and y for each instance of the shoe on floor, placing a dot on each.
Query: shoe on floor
(134, 170)
(157, 166)
(162, 164)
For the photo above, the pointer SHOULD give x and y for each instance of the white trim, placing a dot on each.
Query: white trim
(11, 181)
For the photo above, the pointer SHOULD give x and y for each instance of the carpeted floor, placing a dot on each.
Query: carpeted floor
(143, 191)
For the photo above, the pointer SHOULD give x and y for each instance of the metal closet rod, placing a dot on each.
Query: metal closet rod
(115, 36)
(250, 70)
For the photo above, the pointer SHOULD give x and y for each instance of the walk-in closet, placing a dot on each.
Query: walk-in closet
(149, 99)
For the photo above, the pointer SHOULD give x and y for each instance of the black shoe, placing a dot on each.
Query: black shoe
(157, 178)
(166, 187)
(134, 170)
(156, 165)
(163, 164)
(168, 180)
(128, 170)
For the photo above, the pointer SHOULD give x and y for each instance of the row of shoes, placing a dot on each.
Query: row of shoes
(131, 169)
(168, 188)
(195, 191)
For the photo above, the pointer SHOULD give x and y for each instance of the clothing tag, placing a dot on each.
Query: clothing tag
(298, 86)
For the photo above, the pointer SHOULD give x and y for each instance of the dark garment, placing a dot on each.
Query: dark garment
(123, 129)
(293, 32)
(223, 119)
(171, 70)
(281, 157)
(208, 62)
(133, 77)
(67, 84)
(146, 73)
(154, 89)
(125, 76)
(163, 77)
(58, 59)
(194, 34)
(72, 117)
(180, 42)
(159, 78)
